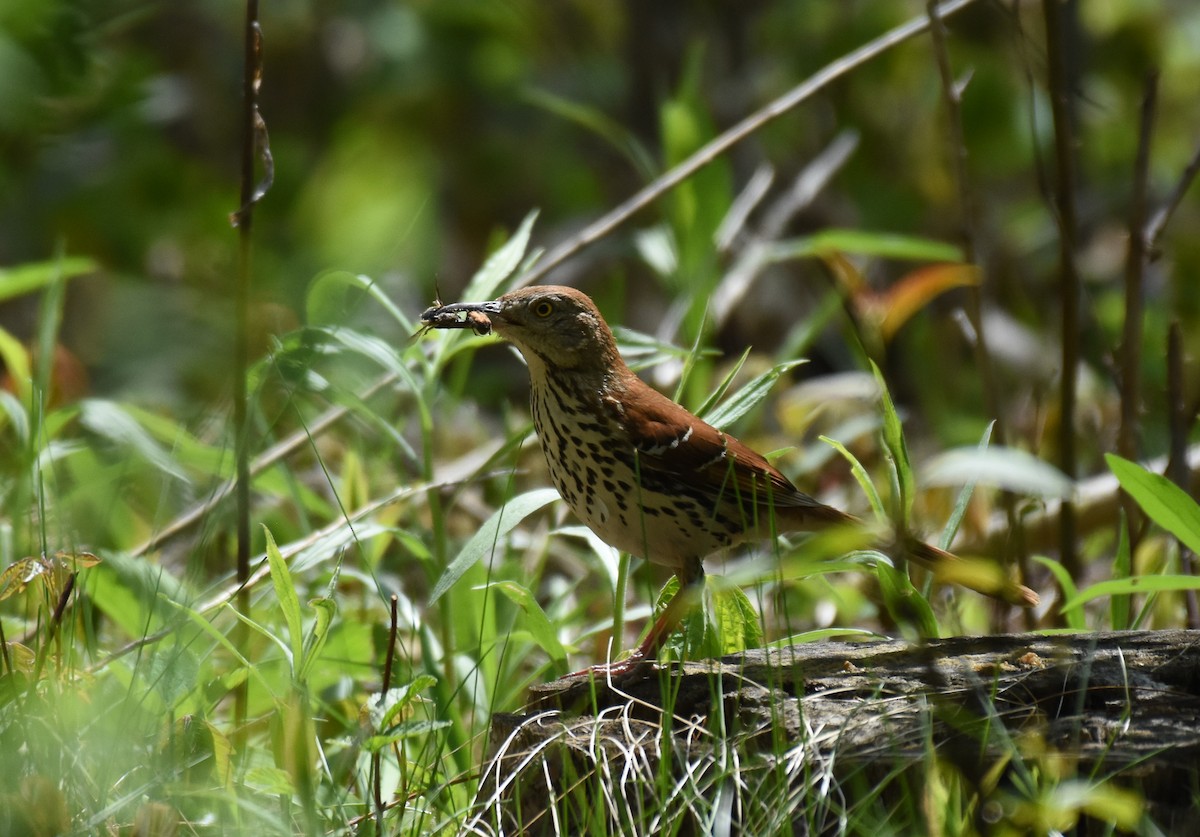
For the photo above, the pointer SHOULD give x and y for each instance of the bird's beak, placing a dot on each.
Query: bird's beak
(476, 316)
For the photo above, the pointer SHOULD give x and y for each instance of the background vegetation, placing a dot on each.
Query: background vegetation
(411, 140)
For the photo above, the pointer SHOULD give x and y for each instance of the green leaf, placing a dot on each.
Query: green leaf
(130, 590)
(904, 602)
(1075, 616)
(1163, 501)
(107, 419)
(500, 264)
(1129, 586)
(1008, 468)
(329, 292)
(723, 387)
(289, 602)
(866, 243)
(484, 541)
(12, 410)
(861, 475)
(599, 123)
(893, 440)
(964, 498)
(15, 361)
(533, 618)
(383, 709)
(820, 635)
(314, 642)
(270, 781)
(738, 626)
(417, 728)
(209, 628)
(1122, 563)
(748, 397)
(27, 278)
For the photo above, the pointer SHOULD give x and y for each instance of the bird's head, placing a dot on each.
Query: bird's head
(552, 325)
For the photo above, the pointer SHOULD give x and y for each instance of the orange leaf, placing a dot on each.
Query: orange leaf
(917, 289)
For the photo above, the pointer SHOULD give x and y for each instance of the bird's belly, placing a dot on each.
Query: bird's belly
(594, 466)
(604, 491)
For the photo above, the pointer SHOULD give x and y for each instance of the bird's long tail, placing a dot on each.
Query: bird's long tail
(978, 574)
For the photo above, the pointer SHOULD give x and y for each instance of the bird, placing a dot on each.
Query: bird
(641, 471)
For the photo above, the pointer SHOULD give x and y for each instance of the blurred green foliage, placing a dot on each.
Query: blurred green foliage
(411, 138)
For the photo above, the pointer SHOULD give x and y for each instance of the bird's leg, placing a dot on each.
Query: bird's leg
(691, 584)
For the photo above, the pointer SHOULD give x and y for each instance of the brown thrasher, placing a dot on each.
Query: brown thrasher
(642, 472)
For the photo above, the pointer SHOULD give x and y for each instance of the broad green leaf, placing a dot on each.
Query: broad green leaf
(270, 781)
(484, 541)
(533, 618)
(721, 621)
(738, 626)
(407, 729)
(1163, 501)
(1008, 468)
(289, 602)
(130, 590)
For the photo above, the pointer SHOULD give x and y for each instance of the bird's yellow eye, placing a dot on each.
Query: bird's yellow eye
(543, 308)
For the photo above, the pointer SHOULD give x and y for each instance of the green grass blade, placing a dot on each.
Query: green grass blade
(749, 396)
(534, 619)
(289, 602)
(893, 440)
(1122, 565)
(1075, 616)
(484, 540)
(964, 498)
(860, 474)
(1129, 586)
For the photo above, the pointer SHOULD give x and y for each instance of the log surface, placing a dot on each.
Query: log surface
(1119, 701)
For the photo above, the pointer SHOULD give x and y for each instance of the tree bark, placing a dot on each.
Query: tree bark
(1110, 704)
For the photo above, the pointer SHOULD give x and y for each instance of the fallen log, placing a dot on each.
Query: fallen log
(1117, 709)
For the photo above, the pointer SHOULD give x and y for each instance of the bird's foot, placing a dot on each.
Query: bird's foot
(615, 669)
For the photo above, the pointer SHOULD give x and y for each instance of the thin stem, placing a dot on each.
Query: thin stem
(253, 143)
(1135, 263)
(952, 97)
(1178, 425)
(1158, 223)
(1069, 283)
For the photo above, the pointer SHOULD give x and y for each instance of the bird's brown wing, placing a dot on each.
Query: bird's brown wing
(671, 442)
